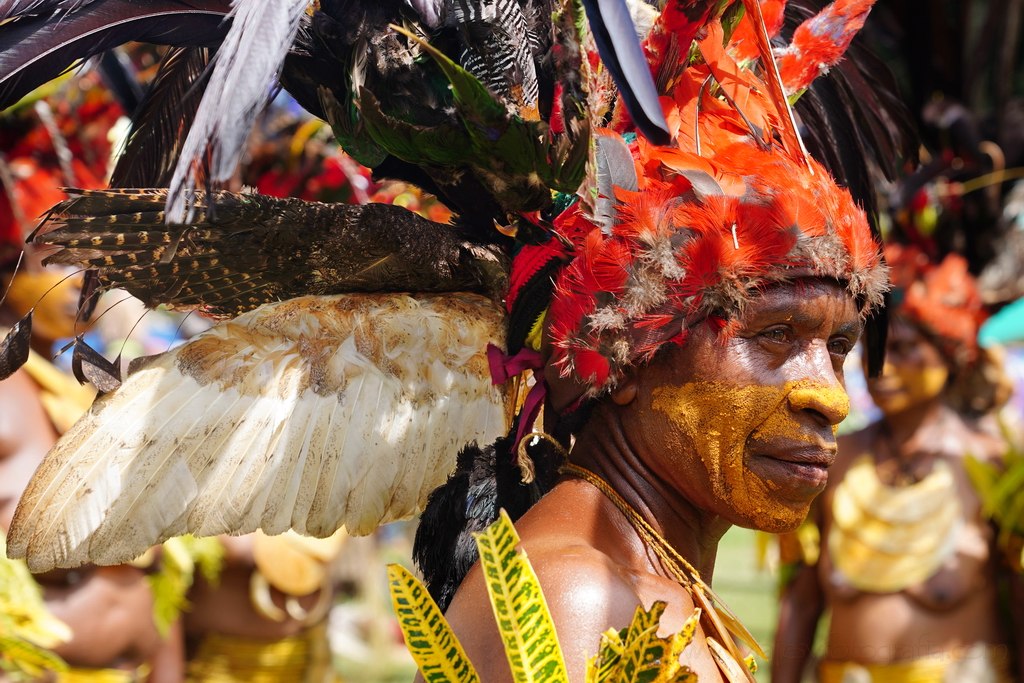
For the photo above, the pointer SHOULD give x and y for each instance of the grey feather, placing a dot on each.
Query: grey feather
(245, 69)
(615, 168)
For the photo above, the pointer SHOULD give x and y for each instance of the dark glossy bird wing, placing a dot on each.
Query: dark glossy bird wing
(242, 251)
(37, 47)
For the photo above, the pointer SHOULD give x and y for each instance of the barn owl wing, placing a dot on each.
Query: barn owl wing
(306, 414)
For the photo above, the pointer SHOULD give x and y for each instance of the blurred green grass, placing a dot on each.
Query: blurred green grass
(749, 591)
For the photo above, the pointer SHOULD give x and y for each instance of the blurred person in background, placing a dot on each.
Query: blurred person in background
(111, 633)
(265, 617)
(908, 565)
(108, 610)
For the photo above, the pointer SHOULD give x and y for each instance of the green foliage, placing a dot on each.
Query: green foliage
(1001, 489)
(180, 559)
(524, 621)
(634, 655)
(433, 646)
(27, 629)
(637, 655)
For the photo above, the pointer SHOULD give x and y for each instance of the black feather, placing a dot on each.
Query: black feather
(160, 123)
(14, 348)
(16, 8)
(36, 49)
(119, 77)
(89, 365)
(855, 123)
(485, 481)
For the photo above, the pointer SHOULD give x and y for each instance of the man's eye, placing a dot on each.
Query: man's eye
(840, 346)
(778, 335)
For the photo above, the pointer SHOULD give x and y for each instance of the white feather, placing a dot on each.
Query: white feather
(307, 414)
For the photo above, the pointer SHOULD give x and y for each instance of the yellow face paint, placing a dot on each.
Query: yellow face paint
(717, 421)
(910, 386)
(54, 316)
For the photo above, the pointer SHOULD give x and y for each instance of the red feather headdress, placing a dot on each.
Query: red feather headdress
(942, 299)
(734, 205)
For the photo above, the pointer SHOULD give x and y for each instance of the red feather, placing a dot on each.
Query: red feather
(820, 42)
(743, 43)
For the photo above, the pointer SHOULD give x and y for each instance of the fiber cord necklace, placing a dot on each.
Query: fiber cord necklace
(720, 621)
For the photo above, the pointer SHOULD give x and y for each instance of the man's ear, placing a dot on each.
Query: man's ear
(625, 393)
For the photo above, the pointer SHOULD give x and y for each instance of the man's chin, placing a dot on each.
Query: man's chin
(776, 517)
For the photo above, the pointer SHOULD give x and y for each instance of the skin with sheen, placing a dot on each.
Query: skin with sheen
(771, 392)
(757, 413)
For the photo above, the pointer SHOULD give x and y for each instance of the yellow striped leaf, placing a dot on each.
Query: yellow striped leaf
(430, 640)
(637, 655)
(19, 656)
(606, 664)
(524, 621)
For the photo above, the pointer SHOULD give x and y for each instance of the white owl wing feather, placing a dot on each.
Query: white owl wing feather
(306, 414)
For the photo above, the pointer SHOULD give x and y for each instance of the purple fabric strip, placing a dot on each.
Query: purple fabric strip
(504, 367)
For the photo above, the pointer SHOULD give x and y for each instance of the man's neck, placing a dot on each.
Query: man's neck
(910, 428)
(692, 532)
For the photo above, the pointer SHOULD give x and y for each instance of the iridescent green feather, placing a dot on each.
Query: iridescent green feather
(430, 640)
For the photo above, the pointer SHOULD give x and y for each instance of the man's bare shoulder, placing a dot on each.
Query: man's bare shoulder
(586, 593)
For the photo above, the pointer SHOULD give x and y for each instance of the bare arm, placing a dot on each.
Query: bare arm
(167, 665)
(800, 609)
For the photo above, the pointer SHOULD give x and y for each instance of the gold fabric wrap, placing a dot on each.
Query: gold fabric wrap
(74, 675)
(885, 539)
(980, 663)
(304, 658)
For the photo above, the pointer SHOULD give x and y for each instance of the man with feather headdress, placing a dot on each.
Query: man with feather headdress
(679, 275)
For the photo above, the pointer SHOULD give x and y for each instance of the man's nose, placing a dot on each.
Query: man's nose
(820, 390)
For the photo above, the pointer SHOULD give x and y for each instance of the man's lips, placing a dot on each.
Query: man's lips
(802, 453)
(800, 467)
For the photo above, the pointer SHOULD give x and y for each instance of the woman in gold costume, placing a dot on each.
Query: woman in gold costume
(908, 565)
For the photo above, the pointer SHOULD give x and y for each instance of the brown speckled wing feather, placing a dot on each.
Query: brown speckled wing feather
(244, 250)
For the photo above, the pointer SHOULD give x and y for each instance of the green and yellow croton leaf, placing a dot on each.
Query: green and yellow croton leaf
(430, 640)
(637, 655)
(524, 621)
(634, 655)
